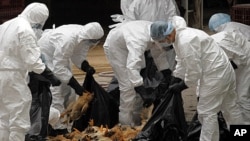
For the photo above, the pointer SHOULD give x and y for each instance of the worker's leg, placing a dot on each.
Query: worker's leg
(17, 100)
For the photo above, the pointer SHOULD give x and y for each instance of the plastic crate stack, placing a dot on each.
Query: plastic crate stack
(241, 13)
(10, 9)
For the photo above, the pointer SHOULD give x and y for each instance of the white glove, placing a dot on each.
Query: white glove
(114, 25)
(118, 18)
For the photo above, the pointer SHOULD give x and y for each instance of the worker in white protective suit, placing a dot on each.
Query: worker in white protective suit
(155, 10)
(121, 18)
(41, 115)
(125, 46)
(124, 5)
(61, 47)
(20, 54)
(150, 10)
(222, 22)
(201, 63)
(237, 49)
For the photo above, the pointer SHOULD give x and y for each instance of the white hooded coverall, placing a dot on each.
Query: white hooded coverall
(150, 10)
(235, 27)
(61, 47)
(237, 49)
(124, 5)
(200, 62)
(155, 10)
(125, 46)
(19, 54)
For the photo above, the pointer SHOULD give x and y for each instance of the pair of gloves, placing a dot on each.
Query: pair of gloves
(73, 83)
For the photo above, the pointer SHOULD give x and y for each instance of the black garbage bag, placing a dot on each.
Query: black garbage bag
(113, 89)
(167, 122)
(103, 109)
(40, 107)
(151, 76)
(153, 81)
(194, 129)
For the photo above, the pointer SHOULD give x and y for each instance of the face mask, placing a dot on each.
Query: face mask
(168, 48)
(37, 26)
(91, 43)
(94, 41)
(38, 32)
(164, 45)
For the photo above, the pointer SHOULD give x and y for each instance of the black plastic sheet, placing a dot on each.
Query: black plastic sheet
(167, 122)
(113, 89)
(151, 76)
(40, 106)
(194, 128)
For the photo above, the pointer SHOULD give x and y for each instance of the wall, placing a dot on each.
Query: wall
(80, 11)
(10, 9)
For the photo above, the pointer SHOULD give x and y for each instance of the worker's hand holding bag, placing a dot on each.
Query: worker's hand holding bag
(177, 85)
(73, 83)
(48, 74)
(87, 68)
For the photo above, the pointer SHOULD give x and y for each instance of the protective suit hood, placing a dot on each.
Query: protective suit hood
(36, 13)
(178, 22)
(91, 30)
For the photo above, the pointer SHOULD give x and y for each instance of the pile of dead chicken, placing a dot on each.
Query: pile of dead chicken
(94, 133)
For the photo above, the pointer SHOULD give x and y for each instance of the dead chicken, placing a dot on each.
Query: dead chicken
(77, 108)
